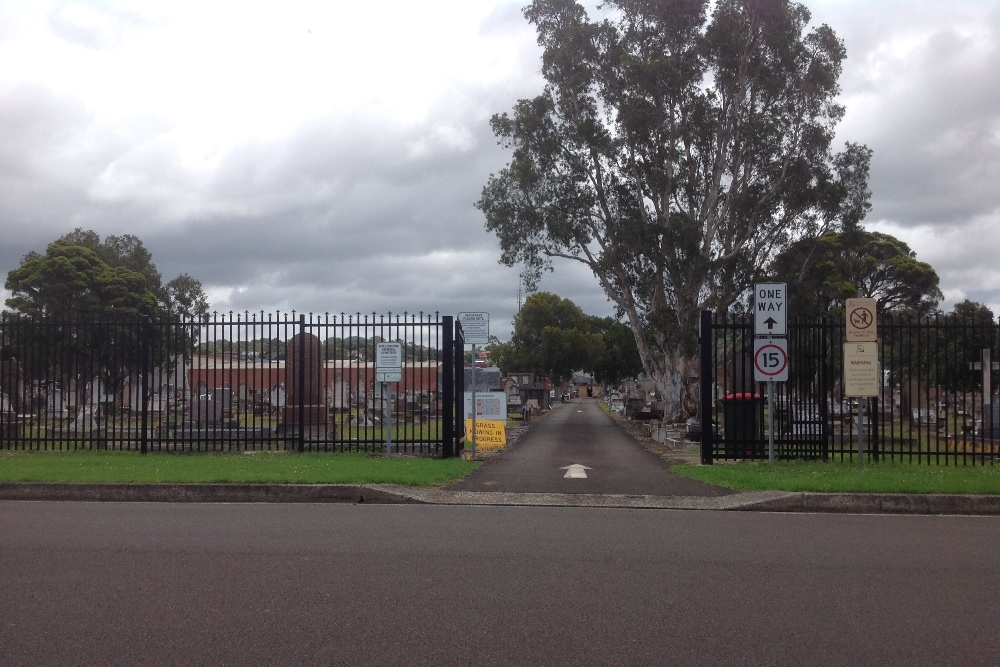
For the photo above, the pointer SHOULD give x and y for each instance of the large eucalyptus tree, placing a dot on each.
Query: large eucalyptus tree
(677, 146)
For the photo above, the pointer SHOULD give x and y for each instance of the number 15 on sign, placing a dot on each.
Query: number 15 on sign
(770, 360)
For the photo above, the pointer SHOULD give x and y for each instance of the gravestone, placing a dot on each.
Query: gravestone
(55, 405)
(991, 418)
(338, 394)
(278, 397)
(306, 411)
(12, 381)
(86, 420)
(204, 409)
(223, 399)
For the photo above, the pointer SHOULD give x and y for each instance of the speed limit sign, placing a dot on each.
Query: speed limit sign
(770, 360)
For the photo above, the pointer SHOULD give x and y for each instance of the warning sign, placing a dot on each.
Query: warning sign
(490, 434)
(861, 321)
(861, 376)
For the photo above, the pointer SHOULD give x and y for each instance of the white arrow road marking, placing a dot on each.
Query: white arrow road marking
(576, 471)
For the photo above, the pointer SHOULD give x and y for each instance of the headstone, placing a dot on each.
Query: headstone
(55, 404)
(223, 399)
(86, 420)
(12, 381)
(338, 396)
(278, 397)
(306, 411)
(204, 409)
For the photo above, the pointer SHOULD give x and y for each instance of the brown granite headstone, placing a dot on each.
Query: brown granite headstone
(305, 408)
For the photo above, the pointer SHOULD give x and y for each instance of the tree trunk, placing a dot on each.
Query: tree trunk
(676, 378)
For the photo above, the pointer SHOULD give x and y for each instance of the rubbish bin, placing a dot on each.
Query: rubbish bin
(743, 420)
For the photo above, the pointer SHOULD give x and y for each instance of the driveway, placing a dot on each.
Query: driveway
(578, 448)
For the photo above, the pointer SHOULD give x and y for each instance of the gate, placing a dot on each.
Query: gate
(244, 382)
(937, 401)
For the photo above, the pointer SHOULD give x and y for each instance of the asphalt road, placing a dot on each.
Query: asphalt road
(333, 584)
(581, 433)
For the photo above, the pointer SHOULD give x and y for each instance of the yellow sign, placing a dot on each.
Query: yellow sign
(490, 434)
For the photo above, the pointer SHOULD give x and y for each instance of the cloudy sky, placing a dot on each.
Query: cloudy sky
(325, 156)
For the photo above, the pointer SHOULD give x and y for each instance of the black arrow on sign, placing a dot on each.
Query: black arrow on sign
(770, 322)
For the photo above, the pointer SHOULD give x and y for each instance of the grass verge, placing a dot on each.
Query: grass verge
(847, 477)
(253, 468)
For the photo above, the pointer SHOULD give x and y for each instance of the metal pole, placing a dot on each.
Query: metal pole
(861, 416)
(473, 400)
(707, 386)
(861, 432)
(388, 420)
(770, 422)
(448, 388)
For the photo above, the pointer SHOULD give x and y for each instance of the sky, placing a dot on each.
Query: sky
(325, 156)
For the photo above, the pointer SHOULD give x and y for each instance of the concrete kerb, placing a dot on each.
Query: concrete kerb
(880, 503)
(758, 501)
(200, 493)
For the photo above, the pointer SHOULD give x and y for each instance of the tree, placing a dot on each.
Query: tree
(619, 358)
(183, 297)
(972, 327)
(541, 342)
(72, 283)
(91, 310)
(101, 301)
(822, 272)
(554, 338)
(673, 153)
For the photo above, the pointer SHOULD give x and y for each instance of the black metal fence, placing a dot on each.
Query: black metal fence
(240, 382)
(937, 399)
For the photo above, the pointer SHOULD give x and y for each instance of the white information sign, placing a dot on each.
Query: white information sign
(389, 362)
(489, 405)
(770, 360)
(770, 309)
(475, 328)
(861, 369)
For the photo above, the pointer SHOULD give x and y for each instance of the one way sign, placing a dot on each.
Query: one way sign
(769, 309)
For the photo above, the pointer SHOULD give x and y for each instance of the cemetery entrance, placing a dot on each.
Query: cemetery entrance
(250, 382)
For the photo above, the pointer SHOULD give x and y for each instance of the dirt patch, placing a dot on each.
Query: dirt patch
(665, 450)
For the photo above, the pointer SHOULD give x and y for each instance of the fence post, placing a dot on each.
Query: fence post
(874, 418)
(144, 332)
(447, 388)
(459, 408)
(706, 339)
(302, 383)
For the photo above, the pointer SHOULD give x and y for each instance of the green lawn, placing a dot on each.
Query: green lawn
(258, 467)
(847, 477)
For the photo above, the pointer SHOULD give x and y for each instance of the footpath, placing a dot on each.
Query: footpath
(756, 501)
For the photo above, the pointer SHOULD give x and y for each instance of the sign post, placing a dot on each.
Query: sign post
(861, 376)
(388, 368)
(475, 331)
(770, 364)
(770, 358)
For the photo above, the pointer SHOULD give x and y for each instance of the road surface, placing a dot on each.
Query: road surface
(608, 460)
(258, 584)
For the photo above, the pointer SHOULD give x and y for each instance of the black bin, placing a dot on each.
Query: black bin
(743, 419)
